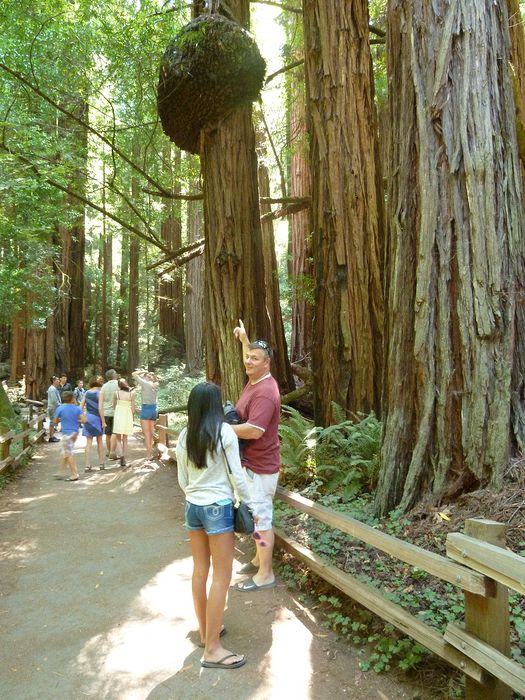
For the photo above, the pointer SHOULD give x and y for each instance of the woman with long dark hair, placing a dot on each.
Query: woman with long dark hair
(203, 477)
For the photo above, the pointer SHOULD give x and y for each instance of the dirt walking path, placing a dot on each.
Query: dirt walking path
(95, 601)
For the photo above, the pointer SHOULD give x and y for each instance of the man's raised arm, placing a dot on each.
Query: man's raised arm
(240, 333)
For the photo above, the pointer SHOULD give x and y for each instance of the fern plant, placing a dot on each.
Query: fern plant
(297, 448)
(343, 458)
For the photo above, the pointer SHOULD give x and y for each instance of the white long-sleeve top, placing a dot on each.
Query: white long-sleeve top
(205, 486)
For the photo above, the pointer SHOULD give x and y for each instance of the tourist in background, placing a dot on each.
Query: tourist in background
(124, 404)
(64, 384)
(70, 415)
(149, 385)
(106, 409)
(53, 402)
(93, 425)
(79, 391)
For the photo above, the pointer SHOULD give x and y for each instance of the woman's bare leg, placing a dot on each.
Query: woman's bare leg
(200, 551)
(87, 452)
(221, 548)
(147, 430)
(101, 451)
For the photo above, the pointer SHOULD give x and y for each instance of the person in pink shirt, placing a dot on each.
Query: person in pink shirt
(259, 406)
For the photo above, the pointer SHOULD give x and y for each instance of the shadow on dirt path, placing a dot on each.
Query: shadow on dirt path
(95, 601)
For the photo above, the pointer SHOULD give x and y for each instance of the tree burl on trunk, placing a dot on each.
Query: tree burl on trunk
(211, 67)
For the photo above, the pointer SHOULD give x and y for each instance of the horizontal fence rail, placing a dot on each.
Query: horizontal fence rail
(405, 551)
(26, 435)
(481, 649)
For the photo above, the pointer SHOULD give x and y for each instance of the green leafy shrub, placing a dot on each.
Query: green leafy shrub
(343, 458)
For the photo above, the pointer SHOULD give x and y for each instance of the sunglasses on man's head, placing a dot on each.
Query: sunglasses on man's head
(263, 345)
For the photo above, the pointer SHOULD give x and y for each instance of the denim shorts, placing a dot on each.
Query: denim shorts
(213, 519)
(148, 411)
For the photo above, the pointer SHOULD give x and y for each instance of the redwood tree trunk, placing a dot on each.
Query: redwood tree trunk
(301, 229)
(454, 229)
(348, 316)
(106, 315)
(281, 363)
(194, 297)
(171, 317)
(234, 270)
(70, 317)
(133, 305)
(517, 36)
(122, 330)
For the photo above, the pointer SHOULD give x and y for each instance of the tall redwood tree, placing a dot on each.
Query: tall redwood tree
(454, 252)
(346, 212)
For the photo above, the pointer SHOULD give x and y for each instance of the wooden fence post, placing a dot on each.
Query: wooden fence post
(488, 618)
(40, 426)
(25, 440)
(4, 450)
(163, 433)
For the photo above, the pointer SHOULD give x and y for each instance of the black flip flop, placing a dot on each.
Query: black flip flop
(249, 586)
(221, 664)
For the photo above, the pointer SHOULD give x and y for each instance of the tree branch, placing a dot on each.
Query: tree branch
(71, 115)
(285, 200)
(303, 373)
(285, 8)
(173, 195)
(289, 66)
(376, 30)
(185, 258)
(87, 202)
(286, 211)
(179, 253)
(287, 399)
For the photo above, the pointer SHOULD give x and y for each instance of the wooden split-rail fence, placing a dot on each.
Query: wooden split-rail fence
(477, 562)
(32, 431)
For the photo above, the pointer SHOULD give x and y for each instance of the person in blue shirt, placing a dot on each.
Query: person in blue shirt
(70, 415)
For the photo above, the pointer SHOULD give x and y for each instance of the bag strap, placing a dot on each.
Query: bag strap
(229, 472)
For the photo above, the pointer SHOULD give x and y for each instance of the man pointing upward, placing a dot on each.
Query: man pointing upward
(259, 406)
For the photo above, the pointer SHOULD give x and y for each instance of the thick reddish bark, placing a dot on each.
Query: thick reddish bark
(234, 268)
(455, 228)
(348, 316)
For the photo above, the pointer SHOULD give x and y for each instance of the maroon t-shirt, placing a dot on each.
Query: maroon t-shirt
(260, 406)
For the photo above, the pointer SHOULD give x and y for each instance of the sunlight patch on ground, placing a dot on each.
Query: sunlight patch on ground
(148, 646)
(162, 596)
(19, 551)
(289, 656)
(24, 501)
(8, 513)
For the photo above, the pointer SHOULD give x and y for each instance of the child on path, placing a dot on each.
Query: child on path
(93, 425)
(149, 384)
(124, 402)
(70, 414)
(79, 391)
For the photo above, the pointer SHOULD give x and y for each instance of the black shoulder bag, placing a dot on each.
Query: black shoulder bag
(233, 418)
(242, 515)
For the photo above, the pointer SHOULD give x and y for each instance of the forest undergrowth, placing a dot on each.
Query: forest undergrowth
(337, 468)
